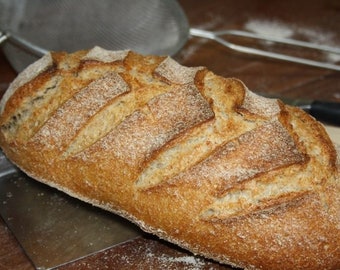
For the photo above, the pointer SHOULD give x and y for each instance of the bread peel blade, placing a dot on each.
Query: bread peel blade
(53, 228)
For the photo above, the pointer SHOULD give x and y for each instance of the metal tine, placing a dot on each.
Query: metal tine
(279, 40)
(216, 36)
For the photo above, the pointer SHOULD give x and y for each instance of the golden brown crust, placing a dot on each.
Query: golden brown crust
(192, 157)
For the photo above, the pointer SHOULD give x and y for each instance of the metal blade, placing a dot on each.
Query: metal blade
(52, 227)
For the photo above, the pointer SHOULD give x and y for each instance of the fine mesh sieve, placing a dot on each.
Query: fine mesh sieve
(146, 26)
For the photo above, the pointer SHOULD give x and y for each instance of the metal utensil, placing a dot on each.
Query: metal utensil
(147, 26)
(324, 111)
(218, 36)
(22, 43)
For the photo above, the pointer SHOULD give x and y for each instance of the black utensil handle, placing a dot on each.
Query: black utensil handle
(328, 112)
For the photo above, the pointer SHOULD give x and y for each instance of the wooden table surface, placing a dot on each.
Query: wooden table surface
(312, 20)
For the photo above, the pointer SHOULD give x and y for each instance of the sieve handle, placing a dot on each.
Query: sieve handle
(216, 36)
(22, 44)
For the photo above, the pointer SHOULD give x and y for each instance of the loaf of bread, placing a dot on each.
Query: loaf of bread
(194, 158)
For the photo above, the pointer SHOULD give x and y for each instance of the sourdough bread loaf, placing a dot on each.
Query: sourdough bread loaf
(194, 158)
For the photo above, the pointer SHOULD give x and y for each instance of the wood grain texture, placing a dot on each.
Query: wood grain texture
(11, 254)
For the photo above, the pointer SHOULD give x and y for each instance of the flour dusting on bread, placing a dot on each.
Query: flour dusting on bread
(190, 156)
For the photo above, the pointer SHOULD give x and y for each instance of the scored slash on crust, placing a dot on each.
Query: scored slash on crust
(85, 124)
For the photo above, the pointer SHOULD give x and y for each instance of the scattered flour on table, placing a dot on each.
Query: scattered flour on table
(283, 30)
(269, 28)
(190, 262)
